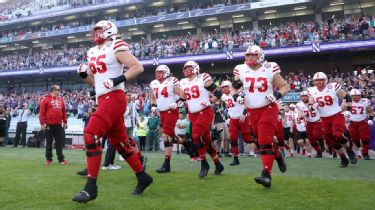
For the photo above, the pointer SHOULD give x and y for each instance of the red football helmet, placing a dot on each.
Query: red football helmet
(103, 30)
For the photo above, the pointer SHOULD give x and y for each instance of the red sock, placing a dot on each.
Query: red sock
(317, 148)
(267, 161)
(235, 151)
(202, 153)
(167, 157)
(93, 163)
(134, 163)
(365, 149)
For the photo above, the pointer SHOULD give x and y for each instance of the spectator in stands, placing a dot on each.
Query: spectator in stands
(53, 120)
(23, 114)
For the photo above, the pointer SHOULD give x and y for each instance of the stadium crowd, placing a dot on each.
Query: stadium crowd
(25, 8)
(290, 34)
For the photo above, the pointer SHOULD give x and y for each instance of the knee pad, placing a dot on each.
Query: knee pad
(167, 144)
(199, 145)
(211, 150)
(124, 149)
(337, 146)
(92, 144)
(266, 149)
(234, 143)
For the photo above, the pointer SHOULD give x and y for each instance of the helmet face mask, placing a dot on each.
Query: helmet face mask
(355, 94)
(103, 30)
(162, 72)
(320, 83)
(190, 68)
(225, 89)
(305, 98)
(320, 80)
(254, 55)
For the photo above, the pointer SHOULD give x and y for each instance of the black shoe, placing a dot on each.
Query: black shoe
(352, 157)
(219, 155)
(90, 192)
(219, 168)
(334, 155)
(264, 179)
(227, 154)
(235, 162)
(204, 169)
(366, 157)
(165, 168)
(82, 172)
(319, 155)
(143, 160)
(344, 163)
(281, 163)
(144, 180)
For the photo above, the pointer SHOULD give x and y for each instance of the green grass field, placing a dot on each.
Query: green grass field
(27, 183)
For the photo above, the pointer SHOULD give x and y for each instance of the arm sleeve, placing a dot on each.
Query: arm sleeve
(206, 77)
(42, 112)
(276, 69)
(120, 45)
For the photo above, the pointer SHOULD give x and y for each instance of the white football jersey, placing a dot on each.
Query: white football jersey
(195, 92)
(328, 101)
(300, 122)
(235, 110)
(257, 84)
(163, 92)
(104, 64)
(289, 119)
(311, 116)
(359, 110)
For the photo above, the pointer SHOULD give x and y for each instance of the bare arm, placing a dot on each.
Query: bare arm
(135, 68)
(281, 84)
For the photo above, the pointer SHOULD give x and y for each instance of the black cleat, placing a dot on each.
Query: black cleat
(318, 155)
(82, 172)
(235, 162)
(264, 179)
(227, 154)
(352, 157)
(165, 168)
(144, 180)
(366, 157)
(281, 163)
(90, 192)
(344, 163)
(143, 160)
(218, 168)
(204, 169)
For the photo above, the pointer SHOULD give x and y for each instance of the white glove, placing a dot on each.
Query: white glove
(154, 109)
(346, 114)
(242, 118)
(173, 106)
(180, 104)
(271, 98)
(206, 103)
(370, 122)
(240, 100)
(108, 84)
(82, 70)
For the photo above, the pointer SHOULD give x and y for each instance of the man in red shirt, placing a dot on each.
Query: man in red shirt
(53, 120)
